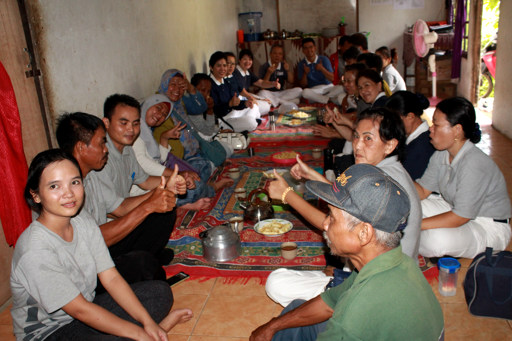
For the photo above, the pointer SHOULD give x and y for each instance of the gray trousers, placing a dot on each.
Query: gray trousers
(305, 333)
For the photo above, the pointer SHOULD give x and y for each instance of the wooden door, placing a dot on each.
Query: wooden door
(16, 60)
(34, 130)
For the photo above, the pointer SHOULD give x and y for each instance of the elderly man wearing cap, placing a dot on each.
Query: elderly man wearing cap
(387, 298)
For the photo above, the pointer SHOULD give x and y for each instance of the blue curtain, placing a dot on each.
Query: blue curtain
(460, 27)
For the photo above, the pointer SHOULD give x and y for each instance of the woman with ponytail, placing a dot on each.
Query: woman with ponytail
(472, 210)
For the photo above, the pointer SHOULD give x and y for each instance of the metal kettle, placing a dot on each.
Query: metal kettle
(220, 244)
(257, 209)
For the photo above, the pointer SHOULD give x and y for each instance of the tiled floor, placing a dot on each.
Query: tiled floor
(229, 312)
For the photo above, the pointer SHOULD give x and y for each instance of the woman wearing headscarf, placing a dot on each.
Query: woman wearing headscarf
(186, 100)
(155, 158)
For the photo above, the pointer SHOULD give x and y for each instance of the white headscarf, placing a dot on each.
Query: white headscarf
(146, 132)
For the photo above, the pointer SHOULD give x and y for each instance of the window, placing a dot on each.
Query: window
(465, 4)
(465, 38)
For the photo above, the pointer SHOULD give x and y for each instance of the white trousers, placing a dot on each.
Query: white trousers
(242, 120)
(283, 285)
(263, 107)
(322, 93)
(283, 96)
(465, 241)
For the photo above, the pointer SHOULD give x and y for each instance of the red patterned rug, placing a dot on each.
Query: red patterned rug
(260, 254)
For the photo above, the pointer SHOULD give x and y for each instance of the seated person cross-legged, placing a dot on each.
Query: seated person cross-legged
(379, 141)
(233, 112)
(136, 229)
(156, 159)
(387, 298)
(278, 69)
(58, 259)
(245, 79)
(315, 75)
(472, 210)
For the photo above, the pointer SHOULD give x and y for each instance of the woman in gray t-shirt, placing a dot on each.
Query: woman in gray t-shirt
(473, 209)
(57, 259)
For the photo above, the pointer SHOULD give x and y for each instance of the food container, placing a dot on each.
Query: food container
(236, 223)
(250, 22)
(448, 270)
(289, 250)
(220, 244)
(240, 193)
(317, 153)
(234, 173)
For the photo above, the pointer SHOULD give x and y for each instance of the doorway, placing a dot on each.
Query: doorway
(488, 47)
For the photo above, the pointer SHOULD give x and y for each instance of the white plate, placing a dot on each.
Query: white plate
(286, 227)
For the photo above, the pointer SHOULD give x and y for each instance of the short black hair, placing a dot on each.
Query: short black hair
(308, 40)
(356, 67)
(114, 100)
(245, 52)
(372, 60)
(371, 74)
(276, 45)
(198, 77)
(37, 166)
(351, 53)
(216, 56)
(391, 127)
(75, 127)
(359, 39)
(230, 54)
(342, 40)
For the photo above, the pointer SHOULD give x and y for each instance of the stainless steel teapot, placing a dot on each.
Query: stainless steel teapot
(220, 244)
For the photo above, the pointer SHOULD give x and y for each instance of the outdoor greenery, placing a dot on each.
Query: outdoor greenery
(490, 19)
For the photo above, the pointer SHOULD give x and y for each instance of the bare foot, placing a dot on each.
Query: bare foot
(175, 317)
(222, 183)
(201, 204)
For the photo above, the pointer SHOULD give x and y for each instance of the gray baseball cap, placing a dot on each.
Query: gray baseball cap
(369, 194)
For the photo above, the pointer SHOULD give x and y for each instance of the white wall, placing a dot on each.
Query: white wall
(95, 48)
(303, 15)
(387, 25)
(502, 115)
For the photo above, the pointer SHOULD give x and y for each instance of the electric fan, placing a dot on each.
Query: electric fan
(424, 41)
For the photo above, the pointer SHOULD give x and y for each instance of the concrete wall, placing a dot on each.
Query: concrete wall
(502, 115)
(303, 15)
(387, 24)
(96, 48)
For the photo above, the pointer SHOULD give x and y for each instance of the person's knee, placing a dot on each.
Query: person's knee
(308, 93)
(434, 244)
(156, 297)
(276, 282)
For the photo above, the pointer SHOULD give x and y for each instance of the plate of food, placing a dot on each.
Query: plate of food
(285, 158)
(294, 123)
(273, 227)
(297, 114)
(270, 173)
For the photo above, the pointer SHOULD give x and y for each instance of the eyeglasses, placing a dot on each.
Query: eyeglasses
(231, 63)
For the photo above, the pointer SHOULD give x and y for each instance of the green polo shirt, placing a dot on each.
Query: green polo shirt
(389, 299)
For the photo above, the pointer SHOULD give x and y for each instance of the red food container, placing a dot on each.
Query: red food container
(240, 36)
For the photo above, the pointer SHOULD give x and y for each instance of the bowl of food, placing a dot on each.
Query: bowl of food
(273, 227)
(286, 158)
